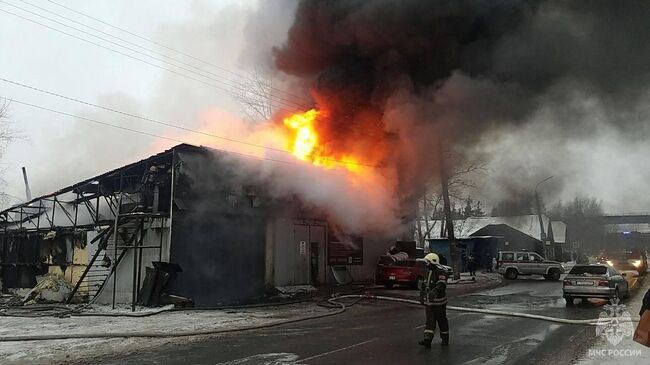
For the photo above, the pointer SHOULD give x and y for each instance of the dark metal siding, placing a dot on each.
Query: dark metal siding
(222, 257)
(218, 232)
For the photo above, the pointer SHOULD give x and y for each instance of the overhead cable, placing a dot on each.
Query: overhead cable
(164, 123)
(208, 63)
(280, 102)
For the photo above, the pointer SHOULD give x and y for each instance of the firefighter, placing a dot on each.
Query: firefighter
(434, 298)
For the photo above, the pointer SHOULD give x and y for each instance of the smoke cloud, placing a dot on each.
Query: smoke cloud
(537, 88)
(534, 88)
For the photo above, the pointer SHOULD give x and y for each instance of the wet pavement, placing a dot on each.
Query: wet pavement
(387, 333)
(604, 351)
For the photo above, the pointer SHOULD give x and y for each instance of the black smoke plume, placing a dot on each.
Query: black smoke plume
(413, 72)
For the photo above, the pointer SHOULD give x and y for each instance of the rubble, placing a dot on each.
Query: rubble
(51, 288)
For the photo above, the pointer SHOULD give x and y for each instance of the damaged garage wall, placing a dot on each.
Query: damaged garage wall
(20, 261)
(230, 239)
(26, 256)
(296, 251)
(56, 233)
(218, 239)
(155, 235)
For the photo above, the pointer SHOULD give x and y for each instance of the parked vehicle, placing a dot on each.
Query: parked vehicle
(594, 281)
(626, 260)
(511, 264)
(409, 272)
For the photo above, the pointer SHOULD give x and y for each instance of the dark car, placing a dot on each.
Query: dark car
(594, 281)
(626, 261)
(408, 272)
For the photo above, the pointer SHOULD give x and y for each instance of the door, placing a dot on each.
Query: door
(317, 253)
(300, 253)
(523, 264)
(314, 265)
(536, 264)
(620, 281)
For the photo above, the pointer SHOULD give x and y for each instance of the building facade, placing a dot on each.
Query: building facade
(189, 206)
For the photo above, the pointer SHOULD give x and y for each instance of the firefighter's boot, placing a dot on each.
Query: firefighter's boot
(445, 339)
(426, 341)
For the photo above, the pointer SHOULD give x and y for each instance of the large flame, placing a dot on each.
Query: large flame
(350, 182)
(304, 143)
(305, 138)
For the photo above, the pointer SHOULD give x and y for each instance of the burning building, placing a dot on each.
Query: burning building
(387, 86)
(188, 206)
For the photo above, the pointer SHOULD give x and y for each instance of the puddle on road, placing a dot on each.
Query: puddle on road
(266, 359)
(501, 354)
(550, 305)
(519, 301)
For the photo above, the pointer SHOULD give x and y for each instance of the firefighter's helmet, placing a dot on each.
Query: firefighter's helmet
(432, 258)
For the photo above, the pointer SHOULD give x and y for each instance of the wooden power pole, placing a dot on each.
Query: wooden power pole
(449, 221)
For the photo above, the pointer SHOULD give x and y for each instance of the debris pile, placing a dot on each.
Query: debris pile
(51, 288)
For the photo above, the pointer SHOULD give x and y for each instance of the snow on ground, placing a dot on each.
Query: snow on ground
(626, 351)
(73, 350)
(296, 289)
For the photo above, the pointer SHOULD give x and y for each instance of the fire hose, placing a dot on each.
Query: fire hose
(334, 300)
(592, 322)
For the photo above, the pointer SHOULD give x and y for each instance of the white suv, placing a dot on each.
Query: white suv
(511, 264)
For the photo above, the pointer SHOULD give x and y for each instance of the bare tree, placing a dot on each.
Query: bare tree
(584, 220)
(579, 207)
(461, 180)
(7, 135)
(4, 110)
(254, 97)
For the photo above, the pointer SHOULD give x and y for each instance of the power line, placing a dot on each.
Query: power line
(96, 121)
(133, 57)
(238, 84)
(113, 50)
(170, 48)
(12, 196)
(167, 124)
(271, 102)
(219, 78)
(163, 123)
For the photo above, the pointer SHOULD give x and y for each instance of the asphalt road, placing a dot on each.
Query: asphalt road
(387, 333)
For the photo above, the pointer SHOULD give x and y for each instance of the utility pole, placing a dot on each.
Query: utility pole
(449, 221)
(28, 192)
(542, 234)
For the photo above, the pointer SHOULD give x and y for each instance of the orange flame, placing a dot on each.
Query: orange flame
(305, 138)
(305, 145)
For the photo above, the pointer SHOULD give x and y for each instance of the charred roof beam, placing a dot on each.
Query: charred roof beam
(65, 211)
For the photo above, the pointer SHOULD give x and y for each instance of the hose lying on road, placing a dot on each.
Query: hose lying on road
(335, 300)
(593, 322)
(162, 334)
(64, 311)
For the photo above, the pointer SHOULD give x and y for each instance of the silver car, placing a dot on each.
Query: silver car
(594, 281)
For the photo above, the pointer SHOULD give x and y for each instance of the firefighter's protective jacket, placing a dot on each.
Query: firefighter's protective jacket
(434, 287)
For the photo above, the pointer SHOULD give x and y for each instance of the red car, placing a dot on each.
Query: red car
(409, 272)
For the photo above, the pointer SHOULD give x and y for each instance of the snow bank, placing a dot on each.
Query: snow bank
(296, 289)
(75, 350)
